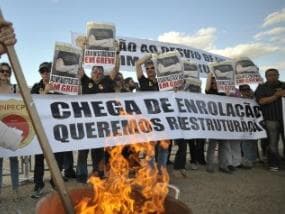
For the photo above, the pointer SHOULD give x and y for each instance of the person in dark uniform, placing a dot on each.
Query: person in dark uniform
(269, 97)
(98, 83)
(43, 87)
(149, 83)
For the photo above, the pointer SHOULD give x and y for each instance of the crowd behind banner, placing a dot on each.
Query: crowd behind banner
(106, 109)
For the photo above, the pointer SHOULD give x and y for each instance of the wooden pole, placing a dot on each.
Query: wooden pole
(37, 125)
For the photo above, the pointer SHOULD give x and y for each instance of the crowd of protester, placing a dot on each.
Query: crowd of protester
(232, 154)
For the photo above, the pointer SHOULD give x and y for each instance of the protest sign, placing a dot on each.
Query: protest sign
(64, 74)
(169, 70)
(92, 121)
(100, 36)
(100, 45)
(246, 72)
(191, 77)
(224, 74)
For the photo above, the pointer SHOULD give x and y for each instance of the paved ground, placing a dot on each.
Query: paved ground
(255, 191)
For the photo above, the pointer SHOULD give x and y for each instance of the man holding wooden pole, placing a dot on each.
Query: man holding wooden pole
(7, 40)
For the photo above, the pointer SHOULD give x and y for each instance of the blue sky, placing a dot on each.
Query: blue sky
(254, 28)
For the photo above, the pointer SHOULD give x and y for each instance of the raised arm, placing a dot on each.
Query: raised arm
(209, 82)
(116, 69)
(139, 64)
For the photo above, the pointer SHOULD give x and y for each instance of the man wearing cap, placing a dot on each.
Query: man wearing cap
(98, 83)
(269, 96)
(43, 87)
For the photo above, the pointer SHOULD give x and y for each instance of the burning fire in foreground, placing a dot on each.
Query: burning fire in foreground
(133, 185)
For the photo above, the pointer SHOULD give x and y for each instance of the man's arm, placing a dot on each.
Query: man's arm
(271, 99)
(116, 69)
(7, 36)
(139, 64)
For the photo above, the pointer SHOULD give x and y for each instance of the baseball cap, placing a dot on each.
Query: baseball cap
(45, 65)
(244, 87)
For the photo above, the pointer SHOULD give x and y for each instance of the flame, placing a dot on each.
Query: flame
(133, 185)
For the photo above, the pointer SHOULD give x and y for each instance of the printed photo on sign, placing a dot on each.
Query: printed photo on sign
(224, 74)
(246, 72)
(169, 70)
(100, 36)
(64, 74)
(191, 77)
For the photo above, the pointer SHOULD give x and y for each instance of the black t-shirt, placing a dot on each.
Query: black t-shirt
(105, 85)
(215, 92)
(38, 87)
(147, 84)
(272, 111)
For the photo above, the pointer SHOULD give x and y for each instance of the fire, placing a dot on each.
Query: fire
(134, 185)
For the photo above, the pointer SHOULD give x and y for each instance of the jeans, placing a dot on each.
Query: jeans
(249, 148)
(162, 154)
(180, 156)
(223, 152)
(273, 129)
(14, 172)
(235, 153)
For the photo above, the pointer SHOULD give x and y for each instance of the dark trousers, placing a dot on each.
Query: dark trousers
(196, 147)
(180, 156)
(39, 168)
(97, 156)
(68, 164)
(169, 151)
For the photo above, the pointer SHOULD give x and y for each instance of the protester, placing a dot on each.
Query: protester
(5, 88)
(211, 88)
(233, 147)
(43, 87)
(149, 83)
(269, 95)
(249, 147)
(98, 83)
(7, 36)
(119, 83)
(196, 146)
(129, 85)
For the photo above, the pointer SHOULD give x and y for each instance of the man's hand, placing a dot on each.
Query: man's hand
(280, 93)
(7, 36)
(81, 73)
(48, 88)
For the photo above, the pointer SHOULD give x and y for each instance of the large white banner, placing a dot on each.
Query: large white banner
(92, 121)
(133, 48)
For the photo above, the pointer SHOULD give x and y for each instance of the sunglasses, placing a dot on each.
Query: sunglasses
(245, 89)
(44, 71)
(150, 68)
(5, 71)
